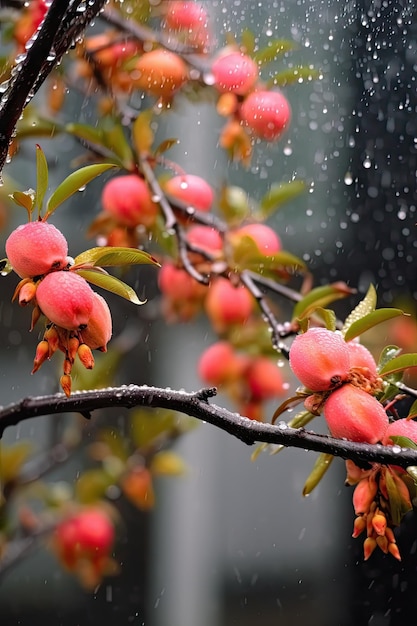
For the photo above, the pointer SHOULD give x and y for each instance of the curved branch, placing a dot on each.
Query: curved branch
(196, 405)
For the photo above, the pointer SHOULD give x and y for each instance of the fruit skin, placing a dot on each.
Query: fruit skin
(234, 72)
(160, 72)
(361, 357)
(264, 379)
(191, 189)
(86, 535)
(66, 299)
(320, 359)
(353, 414)
(99, 328)
(191, 22)
(265, 238)
(36, 248)
(400, 428)
(220, 364)
(266, 113)
(129, 200)
(205, 237)
(226, 305)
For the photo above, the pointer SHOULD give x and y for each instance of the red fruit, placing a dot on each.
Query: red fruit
(234, 72)
(66, 299)
(264, 379)
(226, 305)
(191, 20)
(267, 113)
(99, 327)
(400, 428)
(160, 72)
(129, 200)
(36, 248)
(265, 238)
(205, 237)
(177, 284)
(353, 414)
(320, 359)
(87, 535)
(220, 364)
(361, 357)
(192, 190)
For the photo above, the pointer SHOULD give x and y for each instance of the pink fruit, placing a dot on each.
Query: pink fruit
(361, 357)
(99, 327)
(160, 72)
(190, 19)
(320, 359)
(36, 248)
(191, 189)
(220, 364)
(353, 414)
(87, 535)
(400, 428)
(265, 238)
(66, 299)
(177, 284)
(205, 237)
(266, 113)
(128, 199)
(226, 305)
(234, 72)
(264, 379)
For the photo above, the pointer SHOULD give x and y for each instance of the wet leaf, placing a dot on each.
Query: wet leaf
(12, 459)
(108, 256)
(280, 194)
(412, 411)
(92, 486)
(320, 297)
(403, 442)
(41, 176)
(365, 306)
(90, 134)
(111, 283)
(147, 426)
(275, 48)
(168, 463)
(398, 497)
(142, 133)
(369, 321)
(24, 199)
(164, 146)
(248, 41)
(115, 140)
(74, 182)
(247, 256)
(294, 75)
(399, 363)
(387, 354)
(320, 467)
(5, 267)
(234, 204)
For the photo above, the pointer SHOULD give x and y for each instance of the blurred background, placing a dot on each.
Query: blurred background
(233, 541)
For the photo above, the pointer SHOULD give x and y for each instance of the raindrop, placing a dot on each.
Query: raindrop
(348, 178)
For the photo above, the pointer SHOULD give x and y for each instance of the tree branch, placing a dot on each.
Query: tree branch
(196, 405)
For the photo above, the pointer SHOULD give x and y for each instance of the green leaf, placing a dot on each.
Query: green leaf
(31, 125)
(280, 194)
(41, 176)
(148, 426)
(298, 74)
(246, 255)
(399, 363)
(142, 133)
(234, 203)
(26, 199)
(92, 486)
(111, 283)
(404, 442)
(248, 41)
(165, 145)
(74, 182)
(398, 505)
(85, 131)
(371, 320)
(167, 463)
(365, 306)
(108, 256)
(328, 316)
(320, 467)
(115, 140)
(412, 411)
(320, 297)
(275, 48)
(387, 354)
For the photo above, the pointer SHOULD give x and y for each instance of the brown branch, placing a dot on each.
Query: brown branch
(196, 405)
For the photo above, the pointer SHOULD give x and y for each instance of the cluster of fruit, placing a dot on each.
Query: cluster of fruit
(341, 379)
(78, 318)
